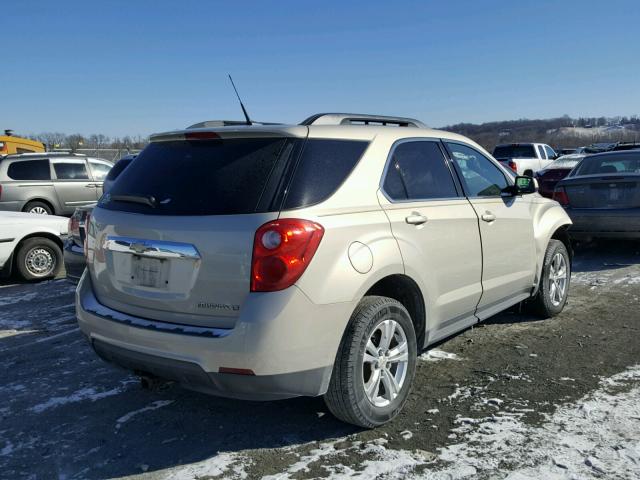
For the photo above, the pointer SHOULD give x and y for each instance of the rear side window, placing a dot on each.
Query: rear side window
(418, 171)
(323, 166)
(71, 171)
(201, 177)
(29, 170)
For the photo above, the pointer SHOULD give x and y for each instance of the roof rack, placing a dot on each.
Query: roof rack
(46, 154)
(361, 119)
(226, 123)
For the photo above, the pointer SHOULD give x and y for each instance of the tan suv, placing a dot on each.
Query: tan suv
(272, 261)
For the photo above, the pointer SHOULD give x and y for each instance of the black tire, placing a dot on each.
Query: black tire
(346, 397)
(41, 207)
(528, 173)
(542, 304)
(49, 248)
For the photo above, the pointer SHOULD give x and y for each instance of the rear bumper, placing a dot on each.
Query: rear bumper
(74, 262)
(288, 342)
(610, 223)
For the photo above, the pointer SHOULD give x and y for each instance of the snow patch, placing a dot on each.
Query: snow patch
(436, 355)
(154, 406)
(89, 393)
(224, 465)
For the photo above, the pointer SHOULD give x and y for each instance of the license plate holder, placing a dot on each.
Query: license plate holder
(148, 272)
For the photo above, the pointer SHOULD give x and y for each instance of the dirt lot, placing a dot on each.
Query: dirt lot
(486, 403)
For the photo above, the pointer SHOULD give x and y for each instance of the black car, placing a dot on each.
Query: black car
(602, 195)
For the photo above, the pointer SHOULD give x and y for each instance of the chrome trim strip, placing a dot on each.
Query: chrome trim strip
(152, 248)
(91, 305)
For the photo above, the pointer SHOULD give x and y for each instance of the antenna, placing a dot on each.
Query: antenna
(244, 110)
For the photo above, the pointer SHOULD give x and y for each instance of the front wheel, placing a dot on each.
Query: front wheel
(375, 364)
(554, 282)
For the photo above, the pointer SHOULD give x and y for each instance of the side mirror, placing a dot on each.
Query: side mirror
(523, 186)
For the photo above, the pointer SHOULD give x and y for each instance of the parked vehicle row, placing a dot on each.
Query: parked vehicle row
(273, 261)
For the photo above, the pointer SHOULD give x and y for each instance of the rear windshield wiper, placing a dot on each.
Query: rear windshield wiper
(148, 200)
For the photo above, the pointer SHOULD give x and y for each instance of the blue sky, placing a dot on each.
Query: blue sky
(137, 67)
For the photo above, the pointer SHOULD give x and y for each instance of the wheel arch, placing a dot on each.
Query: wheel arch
(54, 208)
(405, 290)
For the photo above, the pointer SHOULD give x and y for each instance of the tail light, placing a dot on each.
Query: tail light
(282, 250)
(512, 165)
(87, 221)
(0, 191)
(560, 196)
(74, 226)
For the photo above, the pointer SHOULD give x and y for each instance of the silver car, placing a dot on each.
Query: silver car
(50, 183)
(266, 262)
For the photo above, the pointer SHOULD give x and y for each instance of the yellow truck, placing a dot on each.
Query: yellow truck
(10, 144)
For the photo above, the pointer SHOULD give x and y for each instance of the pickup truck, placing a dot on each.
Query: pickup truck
(525, 158)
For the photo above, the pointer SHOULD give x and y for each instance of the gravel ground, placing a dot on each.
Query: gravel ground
(515, 397)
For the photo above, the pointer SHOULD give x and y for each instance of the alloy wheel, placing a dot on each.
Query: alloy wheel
(385, 363)
(557, 279)
(39, 210)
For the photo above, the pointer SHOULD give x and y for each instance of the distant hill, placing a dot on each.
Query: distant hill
(563, 132)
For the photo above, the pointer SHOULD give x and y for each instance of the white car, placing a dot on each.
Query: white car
(32, 244)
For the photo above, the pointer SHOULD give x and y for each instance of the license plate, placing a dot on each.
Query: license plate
(614, 194)
(148, 272)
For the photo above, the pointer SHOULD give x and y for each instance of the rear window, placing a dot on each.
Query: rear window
(203, 177)
(514, 151)
(603, 164)
(29, 170)
(322, 168)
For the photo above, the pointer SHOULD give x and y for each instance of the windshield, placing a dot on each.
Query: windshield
(514, 151)
(627, 162)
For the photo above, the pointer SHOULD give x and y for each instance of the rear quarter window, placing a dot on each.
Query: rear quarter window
(323, 166)
(29, 170)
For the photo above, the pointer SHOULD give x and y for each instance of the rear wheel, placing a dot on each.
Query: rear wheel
(38, 258)
(554, 282)
(39, 208)
(375, 365)
(528, 173)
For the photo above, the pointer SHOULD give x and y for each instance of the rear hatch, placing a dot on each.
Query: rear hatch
(603, 192)
(173, 239)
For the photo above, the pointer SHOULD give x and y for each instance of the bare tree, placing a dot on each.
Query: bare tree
(51, 139)
(75, 141)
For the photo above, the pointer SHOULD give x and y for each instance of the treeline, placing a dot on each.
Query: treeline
(96, 141)
(558, 132)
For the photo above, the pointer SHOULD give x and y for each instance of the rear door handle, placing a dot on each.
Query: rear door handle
(488, 217)
(416, 219)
